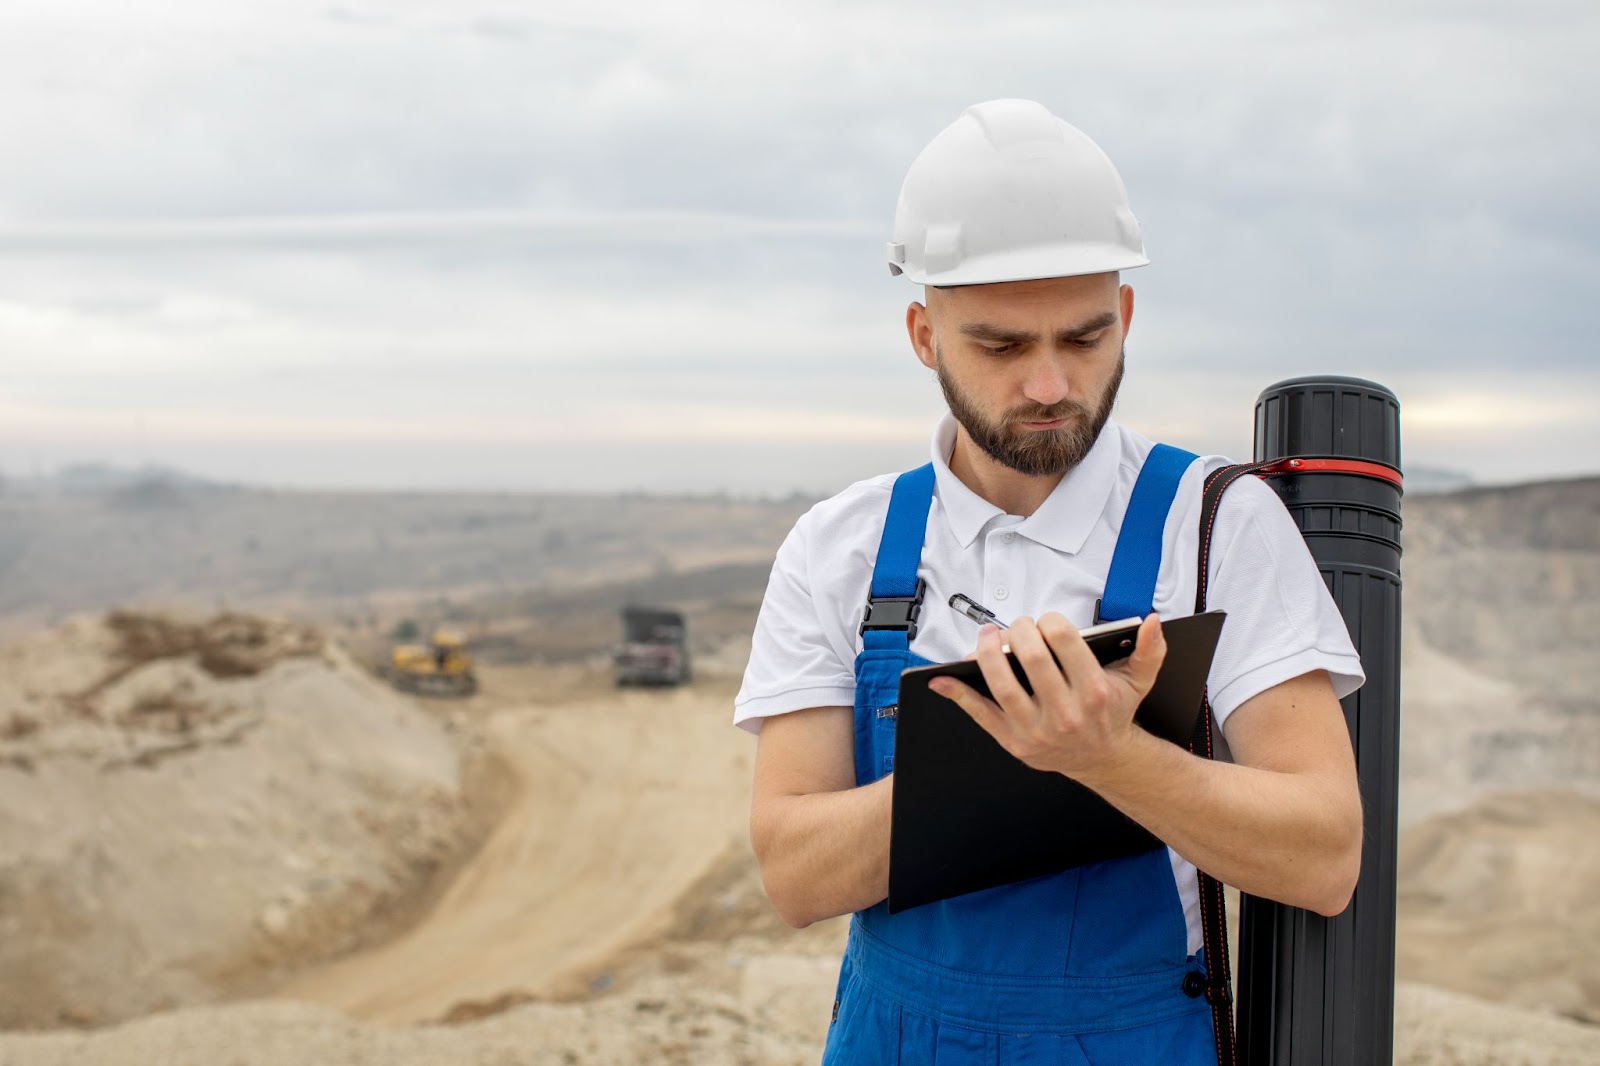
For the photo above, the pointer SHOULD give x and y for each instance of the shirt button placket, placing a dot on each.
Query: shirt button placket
(999, 586)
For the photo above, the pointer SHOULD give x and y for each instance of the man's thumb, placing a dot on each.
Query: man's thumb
(1148, 654)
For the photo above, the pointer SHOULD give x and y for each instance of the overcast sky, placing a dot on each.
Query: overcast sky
(610, 246)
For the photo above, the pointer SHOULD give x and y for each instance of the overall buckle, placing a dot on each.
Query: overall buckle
(895, 612)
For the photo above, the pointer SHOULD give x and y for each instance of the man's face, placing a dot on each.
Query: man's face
(1030, 369)
(1035, 440)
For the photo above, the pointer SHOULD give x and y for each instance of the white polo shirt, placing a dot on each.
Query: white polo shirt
(1281, 623)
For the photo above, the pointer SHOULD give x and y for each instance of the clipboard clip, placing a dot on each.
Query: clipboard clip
(895, 612)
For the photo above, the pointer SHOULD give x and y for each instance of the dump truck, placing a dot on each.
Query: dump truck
(441, 667)
(655, 647)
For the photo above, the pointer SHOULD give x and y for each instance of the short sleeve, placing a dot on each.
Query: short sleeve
(1282, 621)
(793, 666)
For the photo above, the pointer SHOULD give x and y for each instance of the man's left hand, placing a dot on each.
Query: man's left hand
(1080, 715)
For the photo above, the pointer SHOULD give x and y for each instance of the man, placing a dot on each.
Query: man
(1018, 226)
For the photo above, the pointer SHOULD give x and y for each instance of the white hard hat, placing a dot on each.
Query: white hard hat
(1009, 192)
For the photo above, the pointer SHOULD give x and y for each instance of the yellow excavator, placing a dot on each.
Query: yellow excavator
(441, 667)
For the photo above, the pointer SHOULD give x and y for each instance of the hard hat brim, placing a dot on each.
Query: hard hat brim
(1028, 264)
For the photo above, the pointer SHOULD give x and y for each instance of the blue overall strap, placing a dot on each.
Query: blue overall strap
(896, 595)
(1136, 561)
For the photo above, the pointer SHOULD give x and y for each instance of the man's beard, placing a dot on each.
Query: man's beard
(1037, 453)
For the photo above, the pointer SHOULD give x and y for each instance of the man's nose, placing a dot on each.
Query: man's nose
(1047, 382)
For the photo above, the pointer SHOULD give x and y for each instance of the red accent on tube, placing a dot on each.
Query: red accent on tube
(1331, 466)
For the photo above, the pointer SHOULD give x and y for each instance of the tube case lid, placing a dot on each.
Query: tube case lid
(1328, 416)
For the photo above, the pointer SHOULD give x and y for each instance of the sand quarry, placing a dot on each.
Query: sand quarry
(225, 842)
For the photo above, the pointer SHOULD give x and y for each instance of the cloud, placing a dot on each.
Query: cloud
(523, 229)
(418, 210)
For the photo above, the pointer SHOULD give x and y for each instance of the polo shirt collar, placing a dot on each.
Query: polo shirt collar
(1066, 517)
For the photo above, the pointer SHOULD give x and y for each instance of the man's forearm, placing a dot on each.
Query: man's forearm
(825, 853)
(1295, 838)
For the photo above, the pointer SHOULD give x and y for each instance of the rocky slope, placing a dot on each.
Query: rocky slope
(190, 806)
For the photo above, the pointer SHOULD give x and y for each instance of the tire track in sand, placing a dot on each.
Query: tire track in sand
(620, 802)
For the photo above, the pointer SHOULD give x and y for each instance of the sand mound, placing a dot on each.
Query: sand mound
(1433, 1027)
(718, 1007)
(190, 806)
(622, 800)
(1498, 900)
(667, 1025)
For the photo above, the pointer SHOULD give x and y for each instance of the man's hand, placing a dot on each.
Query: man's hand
(1283, 821)
(1080, 715)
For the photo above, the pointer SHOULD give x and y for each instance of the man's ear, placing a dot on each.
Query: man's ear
(919, 328)
(1125, 299)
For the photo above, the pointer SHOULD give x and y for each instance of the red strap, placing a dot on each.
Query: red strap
(1301, 465)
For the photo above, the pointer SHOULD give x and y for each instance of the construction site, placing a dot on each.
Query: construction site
(233, 828)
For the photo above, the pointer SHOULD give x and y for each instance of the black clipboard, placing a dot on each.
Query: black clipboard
(966, 815)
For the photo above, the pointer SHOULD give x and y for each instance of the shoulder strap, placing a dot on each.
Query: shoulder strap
(1136, 560)
(896, 595)
(1213, 910)
(1210, 500)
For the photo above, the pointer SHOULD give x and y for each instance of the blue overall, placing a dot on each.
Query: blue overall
(1085, 966)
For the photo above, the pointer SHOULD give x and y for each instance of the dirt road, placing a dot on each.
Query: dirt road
(621, 799)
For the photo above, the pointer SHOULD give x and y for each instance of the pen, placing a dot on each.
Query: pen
(974, 610)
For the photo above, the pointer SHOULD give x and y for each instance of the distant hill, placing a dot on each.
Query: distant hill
(1502, 608)
(1420, 479)
(97, 539)
(87, 479)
